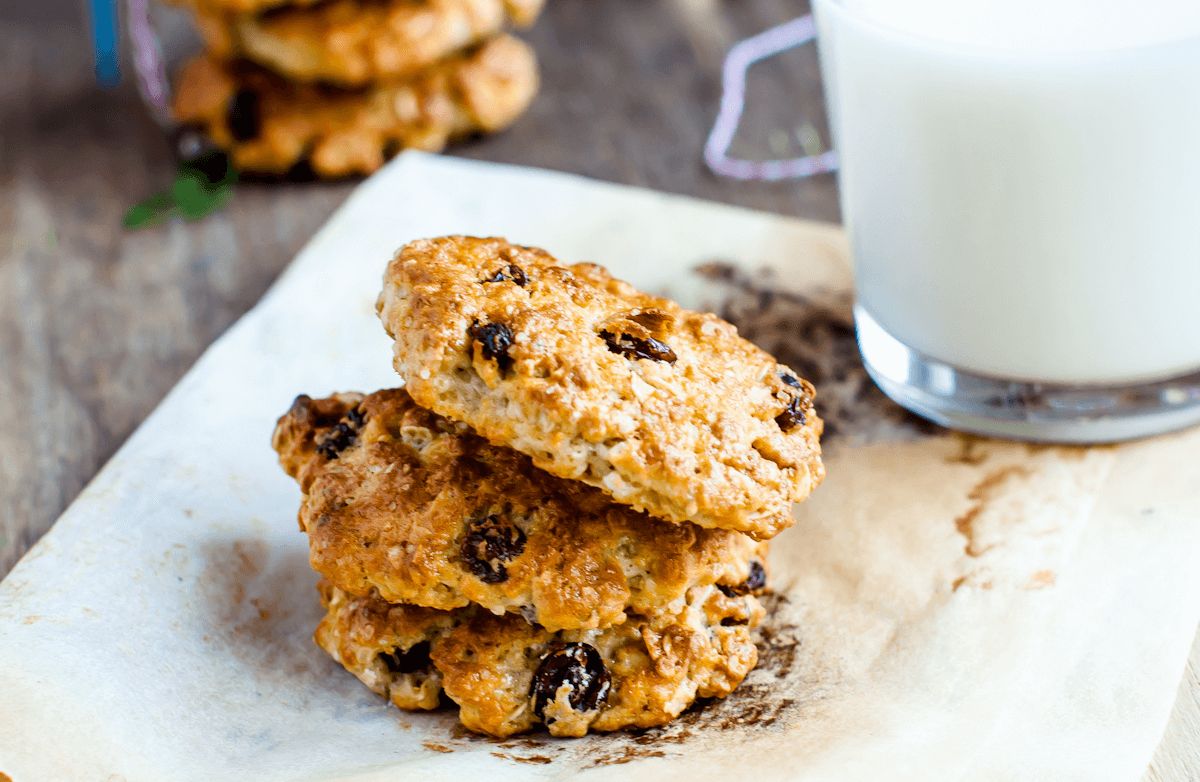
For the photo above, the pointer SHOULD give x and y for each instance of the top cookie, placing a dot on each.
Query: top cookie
(666, 410)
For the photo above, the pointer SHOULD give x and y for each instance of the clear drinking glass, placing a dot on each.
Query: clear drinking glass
(1020, 181)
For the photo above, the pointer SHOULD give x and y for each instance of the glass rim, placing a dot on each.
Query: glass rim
(988, 51)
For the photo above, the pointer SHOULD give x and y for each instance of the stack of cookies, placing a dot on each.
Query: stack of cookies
(560, 519)
(302, 88)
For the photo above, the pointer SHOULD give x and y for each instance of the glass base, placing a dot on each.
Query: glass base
(1044, 412)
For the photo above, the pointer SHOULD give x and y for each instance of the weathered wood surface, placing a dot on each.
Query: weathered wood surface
(96, 324)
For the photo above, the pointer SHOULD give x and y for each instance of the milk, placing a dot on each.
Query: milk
(1021, 180)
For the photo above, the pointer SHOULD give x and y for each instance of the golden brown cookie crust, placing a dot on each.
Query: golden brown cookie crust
(402, 502)
(269, 126)
(354, 43)
(385, 646)
(647, 670)
(665, 409)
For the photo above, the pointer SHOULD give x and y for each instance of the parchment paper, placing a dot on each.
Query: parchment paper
(949, 608)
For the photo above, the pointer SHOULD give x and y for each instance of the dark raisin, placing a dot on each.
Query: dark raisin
(511, 272)
(495, 339)
(301, 171)
(755, 582)
(244, 115)
(342, 435)
(194, 150)
(411, 661)
(391, 148)
(796, 412)
(577, 665)
(336, 440)
(638, 348)
(488, 544)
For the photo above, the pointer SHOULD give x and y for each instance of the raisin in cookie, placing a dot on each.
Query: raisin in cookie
(357, 42)
(386, 646)
(269, 126)
(666, 410)
(507, 676)
(402, 502)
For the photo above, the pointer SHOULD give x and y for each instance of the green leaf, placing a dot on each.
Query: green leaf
(189, 192)
(149, 212)
(191, 196)
(195, 198)
(218, 197)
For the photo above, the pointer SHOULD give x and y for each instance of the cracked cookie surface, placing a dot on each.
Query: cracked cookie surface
(400, 502)
(664, 409)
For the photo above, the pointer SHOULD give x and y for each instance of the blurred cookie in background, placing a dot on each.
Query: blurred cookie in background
(357, 42)
(271, 126)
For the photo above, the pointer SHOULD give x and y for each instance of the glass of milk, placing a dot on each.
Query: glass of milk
(1020, 180)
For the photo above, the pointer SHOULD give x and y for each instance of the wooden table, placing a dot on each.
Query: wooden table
(97, 324)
